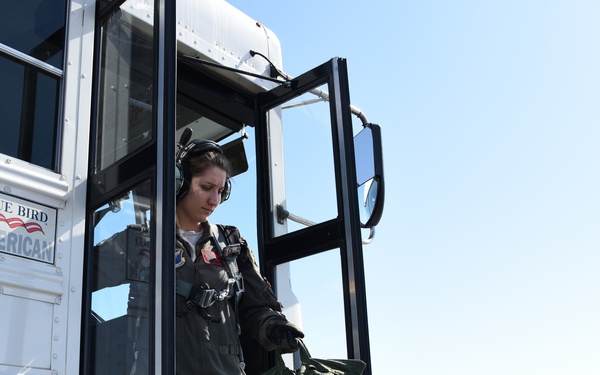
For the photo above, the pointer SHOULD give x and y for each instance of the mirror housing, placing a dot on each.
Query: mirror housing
(369, 174)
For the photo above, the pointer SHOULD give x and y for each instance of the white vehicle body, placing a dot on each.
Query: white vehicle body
(46, 210)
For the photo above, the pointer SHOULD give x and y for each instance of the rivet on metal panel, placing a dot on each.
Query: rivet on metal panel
(7, 189)
(57, 301)
(8, 161)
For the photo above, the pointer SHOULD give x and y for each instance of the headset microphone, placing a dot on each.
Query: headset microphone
(183, 141)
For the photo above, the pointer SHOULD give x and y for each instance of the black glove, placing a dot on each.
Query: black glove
(284, 334)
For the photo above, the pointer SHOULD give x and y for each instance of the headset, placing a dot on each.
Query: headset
(183, 175)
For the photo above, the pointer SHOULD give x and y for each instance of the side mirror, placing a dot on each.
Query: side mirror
(369, 174)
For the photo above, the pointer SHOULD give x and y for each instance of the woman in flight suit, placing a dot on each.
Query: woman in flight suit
(219, 288)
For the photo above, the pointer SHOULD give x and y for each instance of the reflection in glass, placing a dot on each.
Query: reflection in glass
(29, 112)
(367, 198)
(122, 291)
(126, 92)
(35, 27)
(369, 174)
(365, 166)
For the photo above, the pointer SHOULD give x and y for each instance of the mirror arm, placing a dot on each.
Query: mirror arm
(371, 236)
(354, 109)
(359, 113)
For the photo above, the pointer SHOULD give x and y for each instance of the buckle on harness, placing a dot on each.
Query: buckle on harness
(205, 298)
(210, 296)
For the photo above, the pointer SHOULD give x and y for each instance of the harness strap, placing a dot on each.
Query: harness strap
(201, 295)
(229, 349)
(230, 253)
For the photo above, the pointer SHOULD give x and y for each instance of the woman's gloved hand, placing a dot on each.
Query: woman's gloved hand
(284, 334)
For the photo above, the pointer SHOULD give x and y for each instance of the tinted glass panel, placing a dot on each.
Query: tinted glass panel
(28, 108)
(126, 90)
(122, 292)
(35, 27)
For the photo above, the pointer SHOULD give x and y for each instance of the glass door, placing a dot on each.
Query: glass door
(129, 301)
(308, 218)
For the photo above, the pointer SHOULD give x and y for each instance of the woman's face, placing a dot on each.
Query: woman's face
(202, 199)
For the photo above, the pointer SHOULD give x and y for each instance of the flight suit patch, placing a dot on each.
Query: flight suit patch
(210, 257)
(179, 258)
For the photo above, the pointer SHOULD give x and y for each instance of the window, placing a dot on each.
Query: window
(122, 290)
(126, 91)
(32, 42)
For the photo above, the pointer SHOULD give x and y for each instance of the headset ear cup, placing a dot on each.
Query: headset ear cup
(183, 177)
(226, 191)
(178, 179)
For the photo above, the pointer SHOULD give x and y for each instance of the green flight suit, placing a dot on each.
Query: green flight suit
(207, 341)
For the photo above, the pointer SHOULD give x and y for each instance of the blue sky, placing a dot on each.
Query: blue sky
(486, 260)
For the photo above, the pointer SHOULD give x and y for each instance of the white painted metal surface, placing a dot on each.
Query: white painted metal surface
(41, 301)
(215, 31)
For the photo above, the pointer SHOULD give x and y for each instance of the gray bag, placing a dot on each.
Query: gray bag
(315, 366)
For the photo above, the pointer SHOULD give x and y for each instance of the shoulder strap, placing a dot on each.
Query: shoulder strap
(231, 233)
(234, 242)
(230, 254)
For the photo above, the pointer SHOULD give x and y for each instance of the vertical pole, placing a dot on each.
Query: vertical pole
(165, 99)
(357, 328)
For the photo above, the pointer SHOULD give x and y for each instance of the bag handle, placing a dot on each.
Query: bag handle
(304, 353)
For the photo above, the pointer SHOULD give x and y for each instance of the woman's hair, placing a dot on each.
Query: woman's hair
(198, 163)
